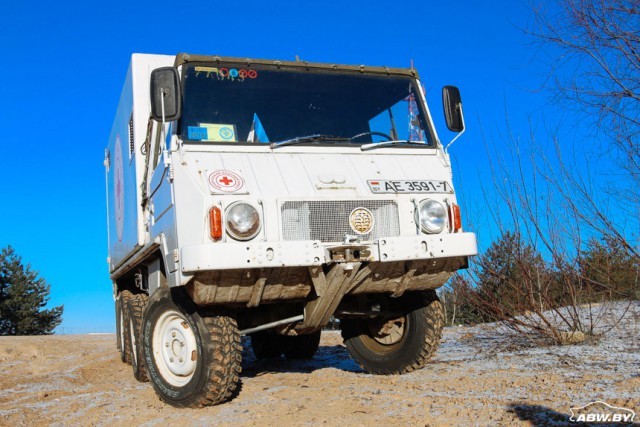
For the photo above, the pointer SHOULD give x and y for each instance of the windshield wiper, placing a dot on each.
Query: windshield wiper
(308, 138)
(382, 144)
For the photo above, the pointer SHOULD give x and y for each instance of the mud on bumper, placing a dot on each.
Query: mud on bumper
(407, 266)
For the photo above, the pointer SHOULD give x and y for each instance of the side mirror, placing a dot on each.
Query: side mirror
(165, 94)
(452, 108)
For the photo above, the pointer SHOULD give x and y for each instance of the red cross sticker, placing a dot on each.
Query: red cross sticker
(225, 181)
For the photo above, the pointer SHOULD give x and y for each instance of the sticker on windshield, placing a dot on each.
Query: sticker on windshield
(196, 133)
(233, 74)
(206, 72)
(214, 132)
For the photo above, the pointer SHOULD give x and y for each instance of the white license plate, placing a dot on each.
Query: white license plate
(404, 186)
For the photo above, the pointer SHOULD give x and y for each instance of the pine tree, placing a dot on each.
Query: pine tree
(512, 275)
(512, 279)
(457, 298)
(610, 269)
(23, 298)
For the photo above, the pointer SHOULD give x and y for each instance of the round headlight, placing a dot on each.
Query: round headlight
(432, 216)
(242, 220)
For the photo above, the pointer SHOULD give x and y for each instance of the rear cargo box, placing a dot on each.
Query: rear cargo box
(125, 162)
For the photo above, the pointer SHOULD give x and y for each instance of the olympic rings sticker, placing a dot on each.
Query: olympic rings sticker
(234, 73)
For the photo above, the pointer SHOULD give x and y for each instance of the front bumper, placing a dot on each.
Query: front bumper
(236, 255)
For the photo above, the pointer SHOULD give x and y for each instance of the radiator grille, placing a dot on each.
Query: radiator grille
(328, 221)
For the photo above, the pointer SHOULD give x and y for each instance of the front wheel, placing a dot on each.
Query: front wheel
(192, 360)
(400, 344)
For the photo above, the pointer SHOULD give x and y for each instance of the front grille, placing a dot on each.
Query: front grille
(328, 221)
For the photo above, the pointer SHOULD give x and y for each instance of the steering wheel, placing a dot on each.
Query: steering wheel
(371, 133)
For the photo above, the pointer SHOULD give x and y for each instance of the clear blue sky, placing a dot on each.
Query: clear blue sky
(63, 65)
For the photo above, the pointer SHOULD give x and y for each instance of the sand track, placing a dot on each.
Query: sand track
(478, 377)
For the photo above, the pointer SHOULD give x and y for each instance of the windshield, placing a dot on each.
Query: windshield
(269, 105)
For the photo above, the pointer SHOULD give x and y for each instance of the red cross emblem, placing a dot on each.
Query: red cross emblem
(225, 181)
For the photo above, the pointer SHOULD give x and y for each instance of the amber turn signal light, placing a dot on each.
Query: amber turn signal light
(215, 223)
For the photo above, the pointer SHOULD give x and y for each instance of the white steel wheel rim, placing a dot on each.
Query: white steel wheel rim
(175, 348)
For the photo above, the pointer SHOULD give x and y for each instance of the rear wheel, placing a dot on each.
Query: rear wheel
(135, 307)
(123, 339)
(401, 344)
(300, 346)
(266, 345)
(192, 360)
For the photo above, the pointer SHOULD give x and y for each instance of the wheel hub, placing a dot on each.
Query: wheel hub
(389, 332)
(177, 349)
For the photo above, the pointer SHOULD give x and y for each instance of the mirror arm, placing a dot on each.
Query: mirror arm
(446, 149)
(165, 154)
(162, 91)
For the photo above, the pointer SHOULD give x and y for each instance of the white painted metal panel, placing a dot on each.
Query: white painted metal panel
(218, 256)
(125, 216)
(427, 247)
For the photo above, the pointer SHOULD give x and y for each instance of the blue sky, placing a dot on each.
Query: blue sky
(63, 65)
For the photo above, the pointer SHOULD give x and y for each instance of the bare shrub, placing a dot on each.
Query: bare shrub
(568, 239)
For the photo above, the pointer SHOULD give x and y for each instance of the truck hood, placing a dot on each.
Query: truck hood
(295, 172)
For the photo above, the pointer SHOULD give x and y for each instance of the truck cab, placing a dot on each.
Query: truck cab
(266, 197)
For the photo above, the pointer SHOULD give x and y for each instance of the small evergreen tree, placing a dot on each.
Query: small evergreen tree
(513, 278)
(610, 269)
(459, 308)
(23, 298)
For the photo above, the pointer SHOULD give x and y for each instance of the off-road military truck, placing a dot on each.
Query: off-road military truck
(261, 198)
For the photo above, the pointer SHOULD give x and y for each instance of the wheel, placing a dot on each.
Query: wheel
(192, 360)
(397, 345)
(135, 309)
(118, 309)
(300, 346)
(123, 341)
(266, 345)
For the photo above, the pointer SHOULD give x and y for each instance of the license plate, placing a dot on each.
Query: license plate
(404, 186)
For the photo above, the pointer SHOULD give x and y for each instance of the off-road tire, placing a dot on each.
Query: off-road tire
(118, 310)
(300, 346)
(123, 342)
(266, 345)
(136, 305)
(424, 320)
(211, 340)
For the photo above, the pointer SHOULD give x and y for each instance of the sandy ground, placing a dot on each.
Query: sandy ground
(480, 376)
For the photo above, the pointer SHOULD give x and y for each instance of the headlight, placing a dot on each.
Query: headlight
(243, 221)
(432, 216)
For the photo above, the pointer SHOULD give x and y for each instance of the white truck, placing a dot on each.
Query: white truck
(261, 198)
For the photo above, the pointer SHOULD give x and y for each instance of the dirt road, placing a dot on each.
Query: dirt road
(478, 377)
